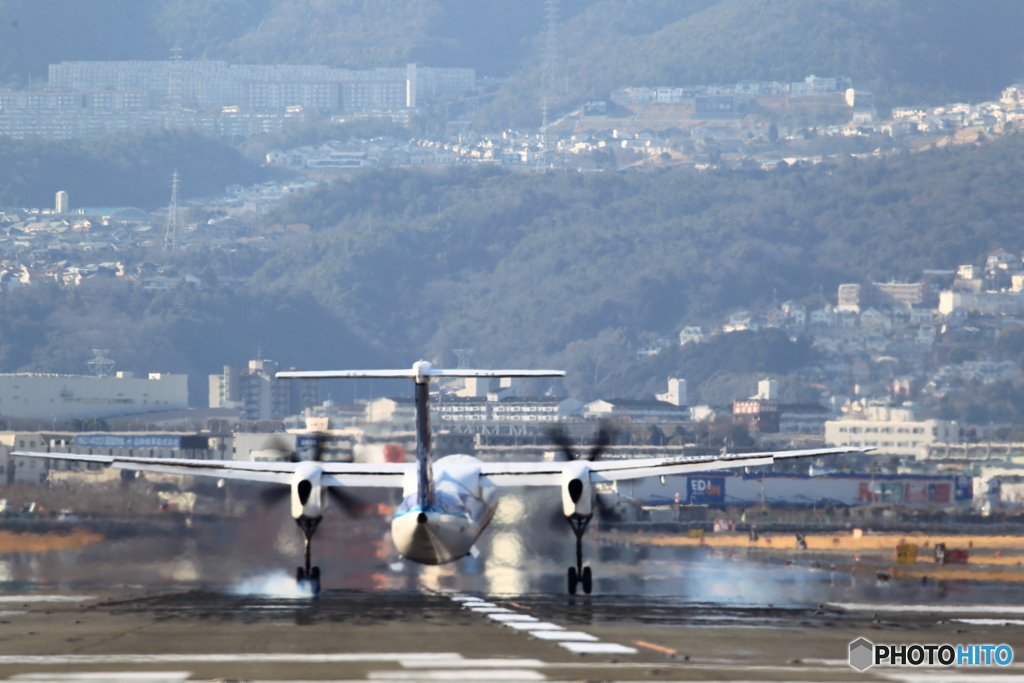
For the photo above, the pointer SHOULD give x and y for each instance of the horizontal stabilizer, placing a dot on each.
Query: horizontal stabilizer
(421, 369)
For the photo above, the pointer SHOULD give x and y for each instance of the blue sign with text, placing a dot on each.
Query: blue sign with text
(706, 490)
(128, 440)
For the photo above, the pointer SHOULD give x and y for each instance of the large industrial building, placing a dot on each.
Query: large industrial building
(66, 397)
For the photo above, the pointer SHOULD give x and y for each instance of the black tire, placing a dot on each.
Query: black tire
(314, 573)
(573, 580)
(587, 580)
(300, 574)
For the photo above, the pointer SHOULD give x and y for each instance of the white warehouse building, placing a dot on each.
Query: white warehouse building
(66, 397)
(891, 430)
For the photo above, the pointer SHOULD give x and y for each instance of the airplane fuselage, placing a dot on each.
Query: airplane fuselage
(445, 530)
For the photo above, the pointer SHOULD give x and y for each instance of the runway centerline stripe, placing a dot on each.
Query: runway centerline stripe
(598, 648)
(533, 625)
(575, 641)
(564, 636)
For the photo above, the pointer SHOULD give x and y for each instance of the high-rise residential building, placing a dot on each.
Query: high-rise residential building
(258, 394)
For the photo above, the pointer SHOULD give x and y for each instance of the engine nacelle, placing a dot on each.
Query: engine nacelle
(309, 497)
(577, 490)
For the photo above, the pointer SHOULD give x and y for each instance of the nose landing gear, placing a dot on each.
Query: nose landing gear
(308, 576)
(579, 574)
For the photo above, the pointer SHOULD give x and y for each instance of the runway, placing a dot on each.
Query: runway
(213, 601)
(423, 635)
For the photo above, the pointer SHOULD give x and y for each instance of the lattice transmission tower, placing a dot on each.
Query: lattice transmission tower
(173, 217)
(549, 73)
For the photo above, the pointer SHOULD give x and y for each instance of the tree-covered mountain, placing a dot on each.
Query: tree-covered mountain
(46, 329)
(558, 269)
(133, 170)
(907, 52)
(577, 269)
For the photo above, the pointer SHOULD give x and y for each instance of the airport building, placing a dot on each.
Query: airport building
(774, 488)
(66, 397)
(15, 469)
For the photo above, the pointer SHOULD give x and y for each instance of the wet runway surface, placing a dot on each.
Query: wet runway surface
(421, 635)
(212, 601)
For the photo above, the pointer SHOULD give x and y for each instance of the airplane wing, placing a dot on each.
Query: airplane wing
(550, 473)
(335, 473)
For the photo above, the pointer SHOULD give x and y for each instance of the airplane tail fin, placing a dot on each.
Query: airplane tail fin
(421, 373)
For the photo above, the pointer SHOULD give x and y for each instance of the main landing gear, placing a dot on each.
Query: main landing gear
(308, 576)
(579, 574)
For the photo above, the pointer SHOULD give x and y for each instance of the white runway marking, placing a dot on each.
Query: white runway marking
(106, 677)
(563, 635)
(46, 598)
(575, 641)
(286, 658)
(460, 675)
(934, 676)
(471, 663)
(991, 622)
(12, 612)
(533, 626)
(512, 617)
(919, 609)
(598, 648)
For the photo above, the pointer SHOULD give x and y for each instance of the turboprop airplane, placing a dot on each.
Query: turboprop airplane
(449, 502)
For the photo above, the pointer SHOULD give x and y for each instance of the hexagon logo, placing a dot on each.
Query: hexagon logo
(862, 654)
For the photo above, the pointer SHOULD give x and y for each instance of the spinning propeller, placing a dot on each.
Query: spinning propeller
(605, 434)
(277, 493)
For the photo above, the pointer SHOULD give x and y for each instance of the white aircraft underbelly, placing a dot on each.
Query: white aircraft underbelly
(446, 530)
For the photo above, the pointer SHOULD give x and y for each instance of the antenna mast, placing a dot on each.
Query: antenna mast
(173, 216)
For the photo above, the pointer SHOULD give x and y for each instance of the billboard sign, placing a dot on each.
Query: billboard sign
(128, 440)
(706, 490)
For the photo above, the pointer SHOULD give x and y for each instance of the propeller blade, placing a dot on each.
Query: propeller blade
(605, 434)
(346, 501)
(277, 444)
(320, 447)
(561, 439)
(274, 494)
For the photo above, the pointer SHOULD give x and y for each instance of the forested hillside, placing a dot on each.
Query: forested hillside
(559, 269)
(574, 269)
(45, 329)
(907, 52)
(133, 170)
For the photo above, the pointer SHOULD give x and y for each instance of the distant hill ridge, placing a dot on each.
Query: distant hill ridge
(909, 52)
